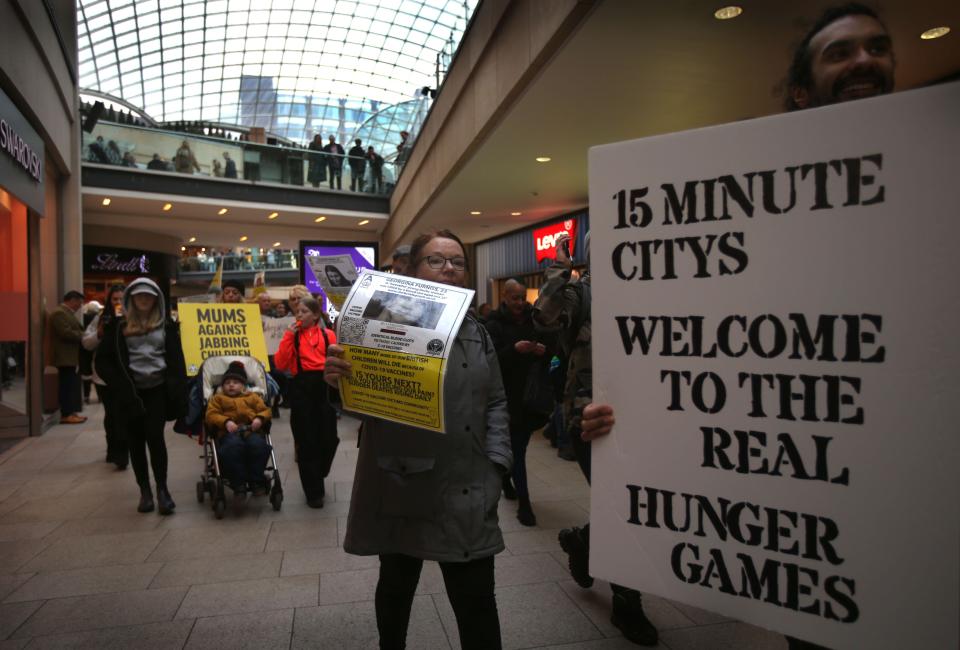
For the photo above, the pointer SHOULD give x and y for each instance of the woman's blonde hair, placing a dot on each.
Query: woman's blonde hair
(139, 323)
(299, 291)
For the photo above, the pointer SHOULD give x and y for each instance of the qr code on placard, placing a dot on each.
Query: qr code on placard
(352, 330)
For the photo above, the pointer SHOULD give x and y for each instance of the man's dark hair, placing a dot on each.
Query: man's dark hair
(417, 246)
(800, 75)
(71, 295)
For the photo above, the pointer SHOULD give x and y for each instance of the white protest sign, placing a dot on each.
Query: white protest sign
(273, 331)
(775, 309)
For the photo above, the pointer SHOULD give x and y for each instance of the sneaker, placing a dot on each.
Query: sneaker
(578, 552)
(73, 419)
(628, 617)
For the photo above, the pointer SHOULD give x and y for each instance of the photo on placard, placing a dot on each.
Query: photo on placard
(339, 276)
(404, 310)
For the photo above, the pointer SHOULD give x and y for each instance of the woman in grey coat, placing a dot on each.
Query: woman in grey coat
(420, 495)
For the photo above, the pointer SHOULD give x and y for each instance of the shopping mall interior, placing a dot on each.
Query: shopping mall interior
(201, 141)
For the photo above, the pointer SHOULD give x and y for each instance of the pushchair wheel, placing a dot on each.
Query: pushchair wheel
(200, 491)
(276, 500)
(219, 507)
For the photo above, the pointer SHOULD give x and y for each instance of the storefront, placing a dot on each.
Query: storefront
(105, 266)
(525, 254)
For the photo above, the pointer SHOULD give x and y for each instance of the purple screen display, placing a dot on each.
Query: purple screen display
(362, 260)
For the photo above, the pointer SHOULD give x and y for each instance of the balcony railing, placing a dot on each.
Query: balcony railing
(268, 260)
(173, 152)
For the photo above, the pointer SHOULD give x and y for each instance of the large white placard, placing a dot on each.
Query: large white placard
(775, 321)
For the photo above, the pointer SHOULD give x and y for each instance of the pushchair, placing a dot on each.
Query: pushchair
(211, 480)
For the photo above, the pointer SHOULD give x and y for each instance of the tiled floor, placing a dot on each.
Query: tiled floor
(79, 567)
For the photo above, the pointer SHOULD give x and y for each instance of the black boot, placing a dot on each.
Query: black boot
(508, 492)
(629, 618)
(164, 500)
(525, 512)
(146, 499)
(576, 545)
(317, 501)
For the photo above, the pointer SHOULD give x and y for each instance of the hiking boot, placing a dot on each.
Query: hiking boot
(628, 617)
(165, 504)
(146, 499)
(577, 548)
(525, 513)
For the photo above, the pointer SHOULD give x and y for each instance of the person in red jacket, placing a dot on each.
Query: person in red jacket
(303, 353)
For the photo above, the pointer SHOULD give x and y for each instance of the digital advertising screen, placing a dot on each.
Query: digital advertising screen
(364, 256)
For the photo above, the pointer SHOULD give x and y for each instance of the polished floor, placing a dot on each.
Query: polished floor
(79, 567)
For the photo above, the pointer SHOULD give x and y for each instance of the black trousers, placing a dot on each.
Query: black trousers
(69, 385)
(310, 421)
(469, 588)
(146, 431)
(113, 426)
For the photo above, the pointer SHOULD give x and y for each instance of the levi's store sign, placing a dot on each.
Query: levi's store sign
(545, 239)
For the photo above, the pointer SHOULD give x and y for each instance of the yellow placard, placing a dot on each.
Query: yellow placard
(220, 330)
(395, 386)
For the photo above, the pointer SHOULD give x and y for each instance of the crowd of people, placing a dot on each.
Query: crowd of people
(418, 495)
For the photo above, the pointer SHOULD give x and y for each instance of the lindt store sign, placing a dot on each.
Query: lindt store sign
(545, 239)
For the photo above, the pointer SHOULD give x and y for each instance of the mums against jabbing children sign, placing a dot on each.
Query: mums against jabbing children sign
(775, 308)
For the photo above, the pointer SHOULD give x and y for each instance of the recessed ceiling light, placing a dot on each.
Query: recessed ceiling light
(222, 211)
(244, 238)
(475, 212)
(183, 248)
(364, 222)
(728, 12)
(273, 215)
(319, 219)
(935, 32)
(106, 201)
(167, 207)
(515, 214)
(203, 250)
(544, 158)
(275, 244)
(193, 239)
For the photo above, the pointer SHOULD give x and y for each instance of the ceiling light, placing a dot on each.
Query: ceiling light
(273, 215)
(106, 201)
(275, 244)
(222, 211)
(475, 212)
(193, 239)
(544, 158)
(183, 248)
(364, 222)
(319, 219)
(726, 13)
(515, 214)
(930, 34)
(203, 250)
(167, 207)
(244, 238)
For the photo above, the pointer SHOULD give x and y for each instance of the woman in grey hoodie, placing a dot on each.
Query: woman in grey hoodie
(140, 358)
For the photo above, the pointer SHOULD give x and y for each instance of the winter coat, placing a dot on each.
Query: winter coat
(242, 409)
(66, 331)
(112, 364)
(434, 495)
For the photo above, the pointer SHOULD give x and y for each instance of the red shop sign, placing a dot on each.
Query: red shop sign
(545, 239)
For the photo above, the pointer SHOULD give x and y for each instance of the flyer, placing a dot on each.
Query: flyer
(397, 332)
(336, 274)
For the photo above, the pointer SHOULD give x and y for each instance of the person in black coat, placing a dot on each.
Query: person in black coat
(358, 166)
(140, 358)
(523, 360)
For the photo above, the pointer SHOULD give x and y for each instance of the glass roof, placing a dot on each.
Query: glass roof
(293, 67)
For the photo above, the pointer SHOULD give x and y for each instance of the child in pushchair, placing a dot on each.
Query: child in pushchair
(237, 446)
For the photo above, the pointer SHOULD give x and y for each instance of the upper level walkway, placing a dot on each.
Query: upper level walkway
(79, 567)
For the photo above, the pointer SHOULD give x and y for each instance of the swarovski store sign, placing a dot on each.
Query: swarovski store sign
(21, 160)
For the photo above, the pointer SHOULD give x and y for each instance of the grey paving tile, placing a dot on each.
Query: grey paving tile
(596, 603)
(152, 636)
(13, 555)
(95, 550)
(211, 540)
(197, 571)
(531, 540)
(81, 613)
(249, 596)
(618, 643)
(13, 615)
(530, 616)
(723, 636)
(354, 586)
(699, 616)
(324, 560)
(133, 523)
(264, 631)
(354, 625)
(54, 509)
(295, 507)
(527, 569)
(9, 583)
(79, 582)
(27, 530)
(300, 534)
(14, 644)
